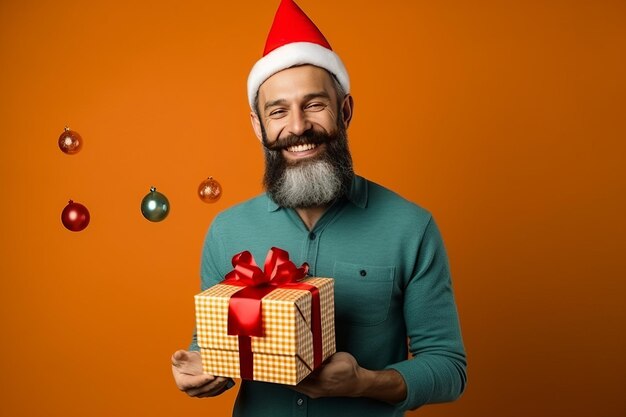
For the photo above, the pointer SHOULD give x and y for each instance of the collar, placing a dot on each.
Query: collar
(357, 194)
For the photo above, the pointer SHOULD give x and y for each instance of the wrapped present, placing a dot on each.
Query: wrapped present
(269, 325)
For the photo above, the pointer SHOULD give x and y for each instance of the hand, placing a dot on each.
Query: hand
(341, 376)
(190, 378)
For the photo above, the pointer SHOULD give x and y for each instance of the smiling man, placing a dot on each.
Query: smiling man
(392, 281)
(301, 116)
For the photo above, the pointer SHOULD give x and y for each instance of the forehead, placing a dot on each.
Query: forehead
(296, 82)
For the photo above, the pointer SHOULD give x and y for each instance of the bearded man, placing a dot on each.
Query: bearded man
(392, 280)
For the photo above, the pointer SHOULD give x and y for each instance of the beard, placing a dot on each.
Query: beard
(310, 182)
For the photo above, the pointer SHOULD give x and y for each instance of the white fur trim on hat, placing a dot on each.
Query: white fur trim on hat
(292, 54)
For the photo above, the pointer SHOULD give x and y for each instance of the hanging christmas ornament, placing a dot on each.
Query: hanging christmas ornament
(70, 142)
(155, 206)
(209, 190)
(75, 216)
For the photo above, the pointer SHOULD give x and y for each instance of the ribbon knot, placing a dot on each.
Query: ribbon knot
(277, 270)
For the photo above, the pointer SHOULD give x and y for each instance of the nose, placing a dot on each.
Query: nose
(298, 122)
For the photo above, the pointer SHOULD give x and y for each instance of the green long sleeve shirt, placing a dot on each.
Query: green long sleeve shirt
(392, 283)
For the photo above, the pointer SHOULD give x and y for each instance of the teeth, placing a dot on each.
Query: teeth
(302, 148)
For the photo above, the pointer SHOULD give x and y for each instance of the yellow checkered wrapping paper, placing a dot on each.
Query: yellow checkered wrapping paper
(285, 354)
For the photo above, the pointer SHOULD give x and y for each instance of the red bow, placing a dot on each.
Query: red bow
(244, 312)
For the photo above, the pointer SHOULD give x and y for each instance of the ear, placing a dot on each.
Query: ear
(347, 109)
(256, 125)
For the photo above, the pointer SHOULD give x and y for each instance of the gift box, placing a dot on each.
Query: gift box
(270, 325)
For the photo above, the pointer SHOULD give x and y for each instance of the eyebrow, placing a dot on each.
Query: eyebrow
(310, 96)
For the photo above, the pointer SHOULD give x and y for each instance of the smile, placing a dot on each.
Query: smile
(302, 148)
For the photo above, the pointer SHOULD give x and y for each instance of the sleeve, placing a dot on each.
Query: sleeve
(213, 255)
(437, 370)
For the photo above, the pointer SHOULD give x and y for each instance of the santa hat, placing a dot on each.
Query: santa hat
(294, 40)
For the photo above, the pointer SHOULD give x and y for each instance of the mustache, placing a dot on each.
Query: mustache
(315, 138)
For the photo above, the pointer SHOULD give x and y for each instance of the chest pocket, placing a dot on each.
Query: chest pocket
(362, 293)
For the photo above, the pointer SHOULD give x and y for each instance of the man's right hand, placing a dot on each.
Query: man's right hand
(189, 377)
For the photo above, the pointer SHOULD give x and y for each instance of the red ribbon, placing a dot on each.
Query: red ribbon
(244, 308)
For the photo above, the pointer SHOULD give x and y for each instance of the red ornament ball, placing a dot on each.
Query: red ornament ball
(70, 142)
(75, 217)
(209, 190)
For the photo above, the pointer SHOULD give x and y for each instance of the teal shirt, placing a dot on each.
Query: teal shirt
(392, 282)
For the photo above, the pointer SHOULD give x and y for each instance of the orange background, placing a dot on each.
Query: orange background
(505, 119)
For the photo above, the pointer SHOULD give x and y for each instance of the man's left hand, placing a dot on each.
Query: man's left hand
(339, 376)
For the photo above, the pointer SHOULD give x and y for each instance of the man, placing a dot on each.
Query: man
(391, 273)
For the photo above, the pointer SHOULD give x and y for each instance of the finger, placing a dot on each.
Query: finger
(188, 363)
(216, 389)
(179, 357)
(212, 388)
(212, 393)
(193, 382)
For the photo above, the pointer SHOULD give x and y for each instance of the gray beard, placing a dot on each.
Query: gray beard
(307, 185)
(313, 182)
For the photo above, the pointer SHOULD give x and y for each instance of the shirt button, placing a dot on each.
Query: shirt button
(312, 236)
(363, 272)
(300, 401)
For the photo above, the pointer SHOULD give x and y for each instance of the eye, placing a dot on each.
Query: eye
(315, 106)
(277, 113)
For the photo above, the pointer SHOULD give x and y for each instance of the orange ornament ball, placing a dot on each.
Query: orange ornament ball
(70, 142)
(209, 190)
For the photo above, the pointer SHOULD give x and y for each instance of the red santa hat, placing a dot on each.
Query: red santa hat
(294, 40)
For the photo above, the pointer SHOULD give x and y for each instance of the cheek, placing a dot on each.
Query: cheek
(331, 113)
(273, 128)
(329, 120)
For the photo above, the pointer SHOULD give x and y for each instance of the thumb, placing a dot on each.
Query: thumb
(180, 357)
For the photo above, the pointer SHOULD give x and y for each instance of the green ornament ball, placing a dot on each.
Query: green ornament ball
(155, 206)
